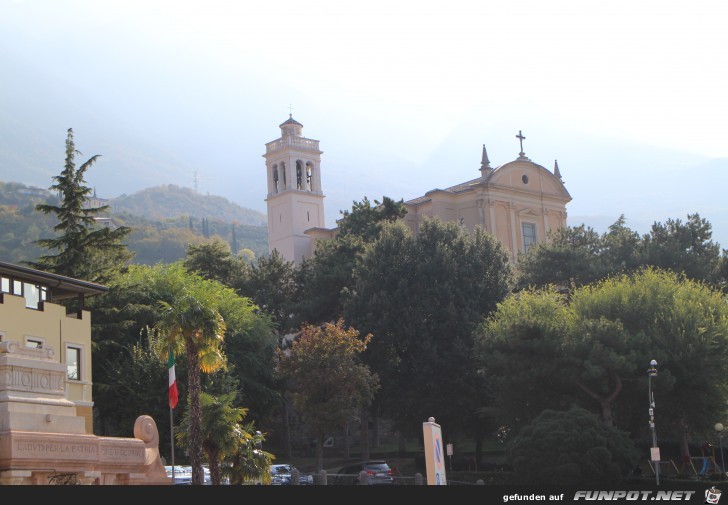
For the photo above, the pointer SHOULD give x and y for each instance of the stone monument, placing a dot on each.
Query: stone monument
(43, 441)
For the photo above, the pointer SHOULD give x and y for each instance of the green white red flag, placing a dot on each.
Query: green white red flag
(173, 393)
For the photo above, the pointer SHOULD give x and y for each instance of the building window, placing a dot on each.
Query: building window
(32, 295)
(73, 363)
(529, 235)
(34, 343)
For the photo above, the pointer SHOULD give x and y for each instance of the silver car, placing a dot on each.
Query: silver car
(281, 475)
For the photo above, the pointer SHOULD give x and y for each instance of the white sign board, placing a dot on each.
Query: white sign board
(434, 453)
(655, 453)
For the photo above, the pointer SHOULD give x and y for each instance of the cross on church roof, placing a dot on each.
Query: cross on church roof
(521, 138)
(290, 110)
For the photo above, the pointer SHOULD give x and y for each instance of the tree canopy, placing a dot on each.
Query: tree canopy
(575, 256)
(593, 349)
(85, 250)
(421, 297)
(328, 382)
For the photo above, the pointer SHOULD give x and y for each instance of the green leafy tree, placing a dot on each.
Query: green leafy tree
(329, 384)
(520, 350)
(684, 247)
(84, 249)
(192, 322)
(571, 448)
(571, 256)
(422, 297)
(576, 256)
(325, 280)
(249, 462)
(595, 350)
(222, 431)
(135, 382)
(366, 220)
(681, 323)
(270, 282)
(538, 355)
(621, 249)
(121, 318)
(214, 260)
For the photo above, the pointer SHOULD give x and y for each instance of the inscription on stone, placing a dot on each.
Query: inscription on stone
(60, 449)
(121, 452)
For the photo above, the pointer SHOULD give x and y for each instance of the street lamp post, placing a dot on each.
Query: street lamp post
(719, 428)
(655, 453)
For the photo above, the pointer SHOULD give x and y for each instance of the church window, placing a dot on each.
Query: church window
(283, 169)
(275, 178)
(308, 216)
(529, 235)
(525, 179)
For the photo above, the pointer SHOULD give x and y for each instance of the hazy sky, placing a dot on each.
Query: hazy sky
(418, 84)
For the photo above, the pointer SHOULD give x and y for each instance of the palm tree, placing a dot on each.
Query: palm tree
(192, 323)
(249, 462)
(220, 427)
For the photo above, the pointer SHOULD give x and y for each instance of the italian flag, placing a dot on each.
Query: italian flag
(173, 393)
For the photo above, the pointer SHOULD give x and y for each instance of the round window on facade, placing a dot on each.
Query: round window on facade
(525, 179)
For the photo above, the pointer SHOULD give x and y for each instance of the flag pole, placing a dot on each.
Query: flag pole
(171, 438)
(172, 401)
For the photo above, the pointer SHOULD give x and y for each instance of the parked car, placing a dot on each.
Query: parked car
(183, 474)
(378, 473)
(281, 475)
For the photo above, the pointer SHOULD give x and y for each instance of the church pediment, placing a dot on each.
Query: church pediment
(523, 175)
(528, 213)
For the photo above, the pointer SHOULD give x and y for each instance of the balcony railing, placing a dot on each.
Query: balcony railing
(300, 142)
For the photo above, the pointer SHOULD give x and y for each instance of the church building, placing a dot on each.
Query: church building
(519, 202)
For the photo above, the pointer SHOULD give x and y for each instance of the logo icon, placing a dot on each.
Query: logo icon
(712, 495)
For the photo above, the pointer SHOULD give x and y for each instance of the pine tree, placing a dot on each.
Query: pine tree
(84, 250)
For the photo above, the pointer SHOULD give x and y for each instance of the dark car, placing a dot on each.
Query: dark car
(378, 473)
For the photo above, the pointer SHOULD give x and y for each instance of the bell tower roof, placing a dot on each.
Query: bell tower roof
(290, 120)
(291, 127)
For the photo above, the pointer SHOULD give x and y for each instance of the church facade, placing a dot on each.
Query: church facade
(519, 202)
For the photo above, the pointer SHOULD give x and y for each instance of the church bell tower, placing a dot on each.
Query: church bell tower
(295, 199)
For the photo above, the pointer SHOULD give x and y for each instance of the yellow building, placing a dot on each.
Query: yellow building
(29, 316)
(46, 406)
(519, 202)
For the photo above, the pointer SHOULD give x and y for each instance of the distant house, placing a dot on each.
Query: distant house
(94, 202)
(33, 191)
(106, 222)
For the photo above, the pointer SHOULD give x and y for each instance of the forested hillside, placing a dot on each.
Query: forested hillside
(165, 220)
(170, 201)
